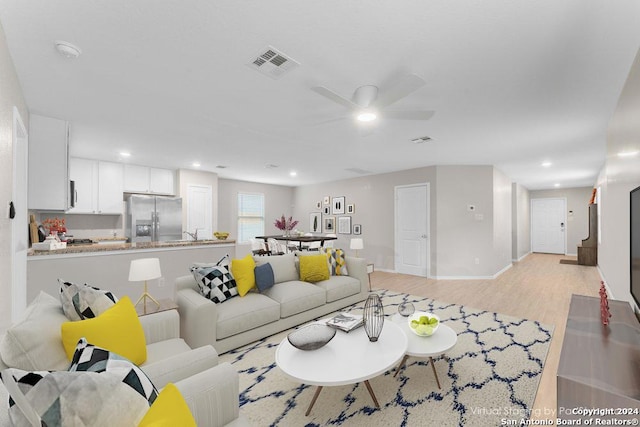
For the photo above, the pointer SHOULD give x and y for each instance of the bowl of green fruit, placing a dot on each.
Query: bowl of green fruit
(423, 324)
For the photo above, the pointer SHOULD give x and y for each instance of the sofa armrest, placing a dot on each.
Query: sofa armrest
(212, 395)
(357, 268)
(161, 326)
(198, 318)
(181, 366)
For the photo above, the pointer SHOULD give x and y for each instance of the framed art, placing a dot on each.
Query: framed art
(337, 205)
(329, 224)
(325, 200)
(318, 205)
(357, 229)
(351, 208)
(315, 222)
(344, 225)
(326, 210)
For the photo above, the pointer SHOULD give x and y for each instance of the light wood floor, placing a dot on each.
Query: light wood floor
(537, 288)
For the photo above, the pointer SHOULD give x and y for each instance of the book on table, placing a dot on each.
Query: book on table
(345, 321)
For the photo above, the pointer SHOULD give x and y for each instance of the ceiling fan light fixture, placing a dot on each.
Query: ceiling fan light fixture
(366, 116)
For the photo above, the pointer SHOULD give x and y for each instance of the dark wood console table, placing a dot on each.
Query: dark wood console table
(599, 365)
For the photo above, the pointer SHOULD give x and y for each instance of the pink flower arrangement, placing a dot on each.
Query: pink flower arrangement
(285, 224)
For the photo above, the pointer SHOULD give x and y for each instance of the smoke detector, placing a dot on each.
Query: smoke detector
(272, 63)
(67, 49)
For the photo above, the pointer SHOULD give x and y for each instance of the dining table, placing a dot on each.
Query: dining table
(299, 239)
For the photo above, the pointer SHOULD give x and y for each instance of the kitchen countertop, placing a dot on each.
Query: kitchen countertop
(97, 247)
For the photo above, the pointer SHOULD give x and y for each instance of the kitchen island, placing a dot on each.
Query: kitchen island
(106, 266)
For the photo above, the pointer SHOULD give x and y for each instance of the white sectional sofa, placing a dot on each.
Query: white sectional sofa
(290, 302)
(210, 389)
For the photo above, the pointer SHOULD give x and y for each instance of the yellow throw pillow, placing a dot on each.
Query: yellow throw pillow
(118, 330)
(168, 410)
(242, 271)
(314, 268)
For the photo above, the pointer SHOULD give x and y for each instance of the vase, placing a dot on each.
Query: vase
(373, 317)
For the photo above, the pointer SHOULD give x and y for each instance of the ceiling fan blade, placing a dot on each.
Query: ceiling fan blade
(399, 90)
(408, 115)
(327, 93)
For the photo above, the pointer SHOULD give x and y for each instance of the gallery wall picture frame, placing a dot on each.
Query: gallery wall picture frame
(318, 205)
(357, 228)
(326, 210)
(315, 222)
(329, 224)
(344, 225)
(351, 208)
(337, 205)
(325, 200)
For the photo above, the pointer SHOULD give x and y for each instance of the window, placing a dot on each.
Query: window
(250, 216)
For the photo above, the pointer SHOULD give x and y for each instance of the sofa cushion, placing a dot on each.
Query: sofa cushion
(242, 314)
(336, 261)
(33, 343)
(83, 301)
(162, 350)
(295, 297)
(284, 266)
(313, 268)
(338, 287)
(243, 272)
(117, 329)
(215, 283)
(264, 277)
(168, 410)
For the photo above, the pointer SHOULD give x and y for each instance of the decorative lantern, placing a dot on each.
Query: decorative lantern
(373, 317)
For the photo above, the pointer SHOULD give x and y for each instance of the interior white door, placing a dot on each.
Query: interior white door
(548, 223)
(411, 229)
(20, 223)
(199, 210)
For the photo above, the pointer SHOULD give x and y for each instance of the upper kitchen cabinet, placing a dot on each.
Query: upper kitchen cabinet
(98, 187)
(142, 179)
(48, 164)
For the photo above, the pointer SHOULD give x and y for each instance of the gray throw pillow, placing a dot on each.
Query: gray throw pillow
(264, 277)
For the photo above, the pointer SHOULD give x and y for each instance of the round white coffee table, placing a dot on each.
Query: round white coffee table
(442, 340)
(347, 359)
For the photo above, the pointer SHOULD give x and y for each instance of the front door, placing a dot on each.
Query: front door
(548, 224)
(411, 229)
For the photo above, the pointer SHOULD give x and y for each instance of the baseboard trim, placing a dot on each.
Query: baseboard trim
(522, 257)
(474, 277)
(384, 270)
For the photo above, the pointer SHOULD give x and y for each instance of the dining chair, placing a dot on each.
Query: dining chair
(275, 248)
(329, 243)
(258, 247)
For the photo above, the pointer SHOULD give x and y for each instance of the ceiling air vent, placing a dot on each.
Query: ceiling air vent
(273, 63)
(421, 140)
(359, 171)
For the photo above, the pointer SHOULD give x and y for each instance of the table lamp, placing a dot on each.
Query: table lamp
(142, 270)
(356, 244)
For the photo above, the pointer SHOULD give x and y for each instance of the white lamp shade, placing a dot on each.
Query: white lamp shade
(144, 269)
(356, 244)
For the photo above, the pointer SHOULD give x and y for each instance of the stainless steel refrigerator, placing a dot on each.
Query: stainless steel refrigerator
(153, 218)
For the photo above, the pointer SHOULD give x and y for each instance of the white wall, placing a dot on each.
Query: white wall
(618, 177)
(278, 200)
(521, 222)
(502, 218)
(10, 96)
(577, 227)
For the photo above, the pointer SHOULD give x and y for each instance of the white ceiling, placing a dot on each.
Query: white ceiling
(513, 82)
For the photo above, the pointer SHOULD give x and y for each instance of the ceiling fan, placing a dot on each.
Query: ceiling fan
(369, 103)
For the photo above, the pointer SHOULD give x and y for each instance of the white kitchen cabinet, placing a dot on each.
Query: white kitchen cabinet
(143, 179)
(99, 187)
(48, 164)
(136, 179)
(161, 181)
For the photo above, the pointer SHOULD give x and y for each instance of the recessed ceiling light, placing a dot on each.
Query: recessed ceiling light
(366, 116)
(125, 154)
(627, 153)
(556, 185)
(67, 49)
(195, 164)
(293, 173)
(546, 164)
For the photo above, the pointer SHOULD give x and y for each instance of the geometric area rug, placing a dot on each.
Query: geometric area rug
(491, 375)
